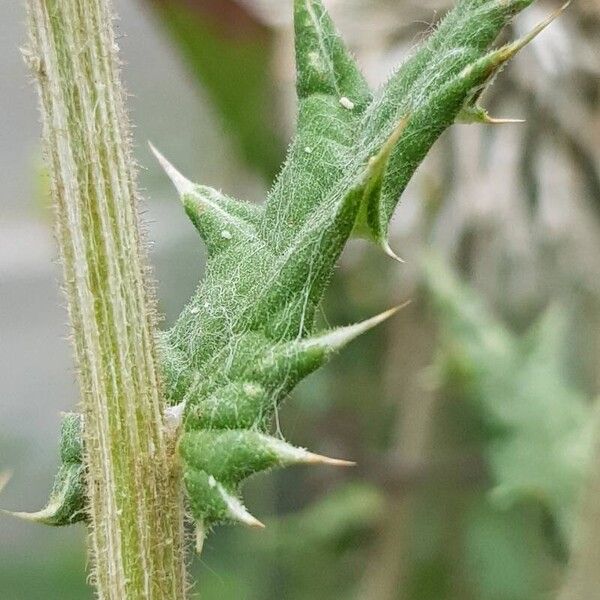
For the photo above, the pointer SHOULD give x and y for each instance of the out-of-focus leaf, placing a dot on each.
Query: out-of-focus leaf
(541, 423)
(337, 517)
(230, 53)
(319, 550)
(506, 557)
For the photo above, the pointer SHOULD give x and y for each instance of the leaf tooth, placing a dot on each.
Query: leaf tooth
(66, 500)
(211, 502)
(383, 155)
(45, 515)
(182, 184)
(486, 67)
(323, 63)
(378, 163)
(371, 221)
(236, 511)
(289, 362)
(512, 48)
(292, 455)
(220, 220)
(5, 477)
(338, 338)
(481, 72)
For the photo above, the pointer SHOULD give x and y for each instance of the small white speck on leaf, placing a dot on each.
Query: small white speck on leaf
(212, 481)
(226, 234)
(346, 103)
(307, 149)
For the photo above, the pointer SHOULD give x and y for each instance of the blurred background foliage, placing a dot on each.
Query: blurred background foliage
(469, 414)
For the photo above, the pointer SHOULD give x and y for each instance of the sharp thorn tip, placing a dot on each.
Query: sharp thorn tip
(318, 459)
(5, 477)
(253, 522)
(182, 184)
(388, 250)
(501, 121)
(38, 516)
(238, 512)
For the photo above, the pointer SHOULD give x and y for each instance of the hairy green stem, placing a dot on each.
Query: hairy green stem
(134, 500)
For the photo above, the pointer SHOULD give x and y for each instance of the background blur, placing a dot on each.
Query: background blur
(451, 499)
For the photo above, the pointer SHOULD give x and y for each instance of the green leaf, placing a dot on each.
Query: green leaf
(332, 95)
(542, 423)
(431, 89)
(323, 64)
(66, 504)
(247, 335)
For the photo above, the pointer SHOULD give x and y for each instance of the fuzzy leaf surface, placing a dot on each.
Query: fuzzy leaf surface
(247, 336)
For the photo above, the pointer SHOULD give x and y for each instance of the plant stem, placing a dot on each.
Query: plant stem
(135, 505)
(583, 574)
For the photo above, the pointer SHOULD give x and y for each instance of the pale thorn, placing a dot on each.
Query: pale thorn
(292, 455)
(4, 479)
(200, 537)
(508, 51)
(385, 246)
(501, 121)
(341, 336)
(40, 516)
(522, 42)
(236, 511)
(182, 184)
(319, 459)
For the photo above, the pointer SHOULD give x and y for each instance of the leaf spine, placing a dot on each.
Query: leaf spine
(182, 184)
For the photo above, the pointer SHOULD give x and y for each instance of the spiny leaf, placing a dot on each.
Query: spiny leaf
(247, 336)
(67, 499)
(472, 112)
(292, 361)
(211, 503)
(332, 95)
(66, 504)
(221, 221)
(542, 423)
(435, 87)
(323, 64)
(369, 220)
(232, 455)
